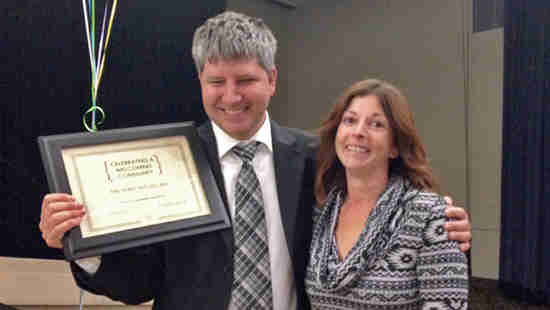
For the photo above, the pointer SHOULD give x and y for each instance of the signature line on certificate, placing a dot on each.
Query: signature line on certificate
(142, 199)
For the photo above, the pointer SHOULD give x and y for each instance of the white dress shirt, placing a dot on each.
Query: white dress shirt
(282, 275)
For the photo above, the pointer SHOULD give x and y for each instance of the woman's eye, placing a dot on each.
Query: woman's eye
(347, 120)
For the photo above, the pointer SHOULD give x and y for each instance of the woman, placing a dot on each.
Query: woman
(378, 237)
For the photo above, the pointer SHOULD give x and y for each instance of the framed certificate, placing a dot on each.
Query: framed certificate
(139, 186)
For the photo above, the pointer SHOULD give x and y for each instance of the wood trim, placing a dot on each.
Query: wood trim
(42, 282)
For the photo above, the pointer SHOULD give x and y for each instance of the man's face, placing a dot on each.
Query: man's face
(236, 94)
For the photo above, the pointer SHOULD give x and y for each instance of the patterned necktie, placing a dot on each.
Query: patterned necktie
(252, 274)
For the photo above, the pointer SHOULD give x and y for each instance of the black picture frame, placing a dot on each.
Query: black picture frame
(76, 246)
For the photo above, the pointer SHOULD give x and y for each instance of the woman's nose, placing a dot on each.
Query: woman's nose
(360, 129)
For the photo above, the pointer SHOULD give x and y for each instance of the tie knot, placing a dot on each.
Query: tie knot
(246, 152)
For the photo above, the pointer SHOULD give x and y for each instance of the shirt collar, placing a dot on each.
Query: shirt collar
(225, 142)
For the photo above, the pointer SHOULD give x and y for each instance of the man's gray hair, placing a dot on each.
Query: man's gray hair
(232, 35)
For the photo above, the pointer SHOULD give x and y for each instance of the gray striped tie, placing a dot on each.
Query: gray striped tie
(252, 274)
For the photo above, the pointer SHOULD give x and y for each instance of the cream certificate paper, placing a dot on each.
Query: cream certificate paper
(128, 185)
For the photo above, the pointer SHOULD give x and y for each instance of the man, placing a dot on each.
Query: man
(235, 58)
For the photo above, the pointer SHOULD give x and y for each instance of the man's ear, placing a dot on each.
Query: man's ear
(272, 79)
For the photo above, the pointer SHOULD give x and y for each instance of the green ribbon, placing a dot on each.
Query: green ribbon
(94, 123)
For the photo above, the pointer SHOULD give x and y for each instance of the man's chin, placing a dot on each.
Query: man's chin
(239, 133)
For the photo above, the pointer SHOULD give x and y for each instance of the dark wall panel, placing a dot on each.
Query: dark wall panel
(525, 216)
(488, 14)
(149, 78)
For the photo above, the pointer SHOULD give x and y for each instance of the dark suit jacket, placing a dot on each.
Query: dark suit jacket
(197, 272)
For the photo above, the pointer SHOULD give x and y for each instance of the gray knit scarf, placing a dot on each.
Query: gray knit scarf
(382, 226)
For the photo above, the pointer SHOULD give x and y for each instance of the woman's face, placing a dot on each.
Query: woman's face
(364, 140)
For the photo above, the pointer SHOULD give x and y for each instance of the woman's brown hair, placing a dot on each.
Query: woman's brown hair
(412, 162)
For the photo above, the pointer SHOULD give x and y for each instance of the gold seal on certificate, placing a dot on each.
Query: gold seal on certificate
(139, 186)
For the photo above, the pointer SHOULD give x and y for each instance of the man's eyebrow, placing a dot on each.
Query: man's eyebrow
(246, 76)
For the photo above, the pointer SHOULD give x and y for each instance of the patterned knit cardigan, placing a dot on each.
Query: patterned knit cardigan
(402, 259)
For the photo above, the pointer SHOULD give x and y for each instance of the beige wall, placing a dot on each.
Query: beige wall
(418, 45)
(485, 131)
(452, 78)
(46, 284)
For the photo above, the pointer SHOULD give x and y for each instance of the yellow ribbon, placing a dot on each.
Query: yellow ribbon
(97, 64)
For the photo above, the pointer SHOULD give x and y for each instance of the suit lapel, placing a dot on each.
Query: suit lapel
(289, 164)
(209, 142)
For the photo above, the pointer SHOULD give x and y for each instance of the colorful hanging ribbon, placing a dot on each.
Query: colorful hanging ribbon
(97, 61)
